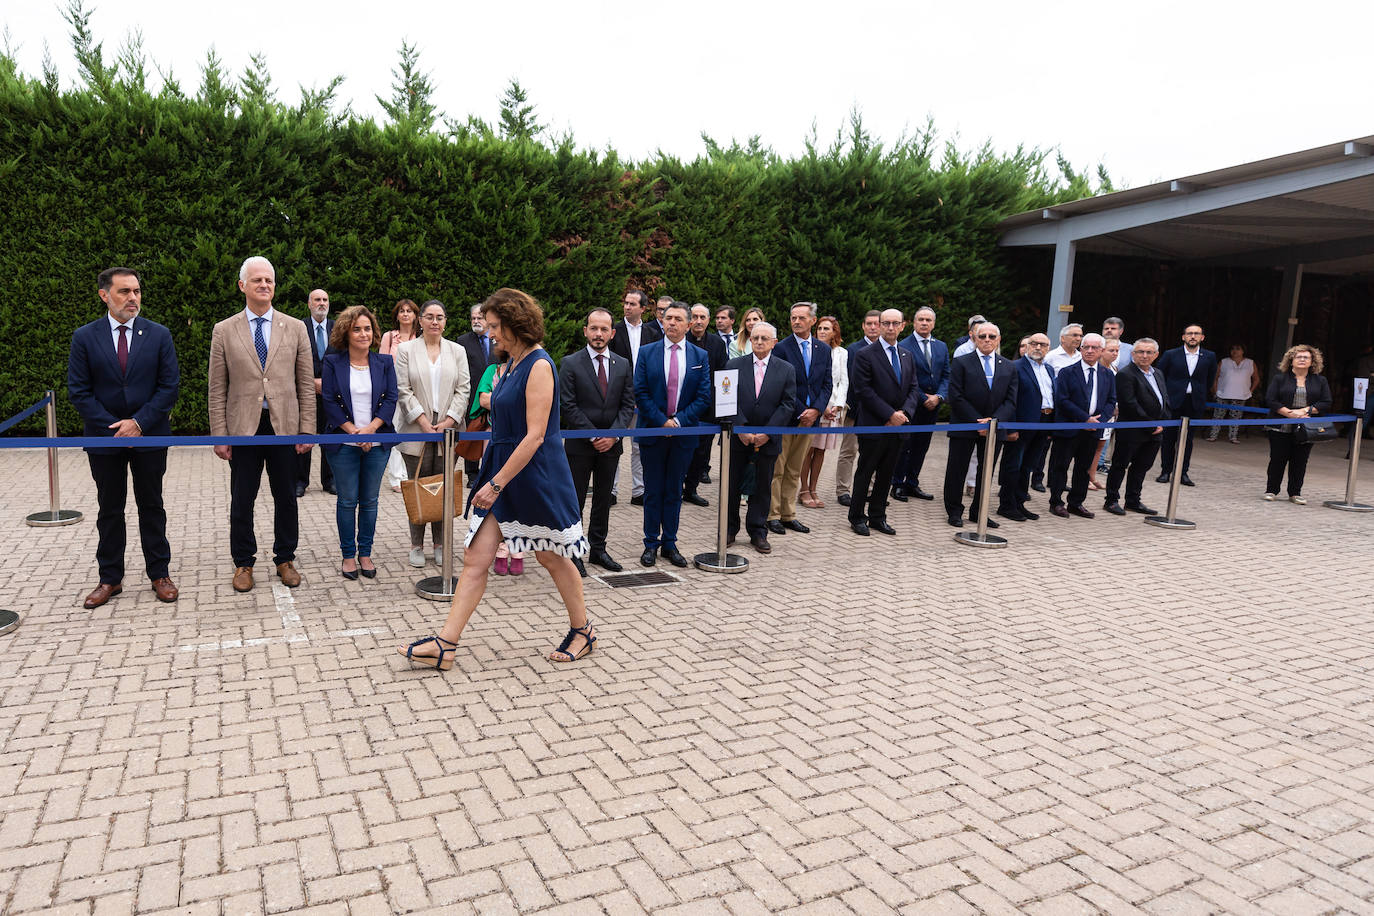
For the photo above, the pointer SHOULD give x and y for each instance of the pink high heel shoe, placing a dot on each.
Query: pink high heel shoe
(500, 566)
(517, 566)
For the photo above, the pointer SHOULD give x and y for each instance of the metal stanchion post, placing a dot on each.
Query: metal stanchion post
(1170, 517)
(442, 586)
(981, 538)
(55, 517)
(1350, 505)
(719, 560)
(9, 622)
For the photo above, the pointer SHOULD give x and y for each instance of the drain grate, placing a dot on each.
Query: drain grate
(639, 579)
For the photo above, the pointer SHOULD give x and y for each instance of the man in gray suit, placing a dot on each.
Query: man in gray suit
(596, 391)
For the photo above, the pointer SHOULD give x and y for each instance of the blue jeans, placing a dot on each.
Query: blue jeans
(358, 477)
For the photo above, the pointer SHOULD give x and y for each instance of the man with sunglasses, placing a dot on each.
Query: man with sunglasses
(982, 386)
(1034, 404)
(1084, 392)
(884, 387)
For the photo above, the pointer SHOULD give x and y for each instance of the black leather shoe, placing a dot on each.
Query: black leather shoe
(636, 500)
(1142, 509)
(695, 500)
(844, 500)
(1011, 515)
(921, 494)
(859, 528)
(705, 476)
(882, 527)
(300, 490)
(648, 557)
(1164, 478)
(672, 555)
(349, 574)
(603, 559)
(1059, 511)
(581, 570)
(1186, 480)
(760, 544)
(899, 494)
(991, 523)
(797, 526)
(1080, 512)
(1037, 486)
(613, 499)
(1114, 508)
(1028, 516)
(955, 521)
(776, 527)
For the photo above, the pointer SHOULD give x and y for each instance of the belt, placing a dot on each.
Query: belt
(1046, 411)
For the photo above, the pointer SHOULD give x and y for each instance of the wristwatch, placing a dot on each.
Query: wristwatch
(495, 487)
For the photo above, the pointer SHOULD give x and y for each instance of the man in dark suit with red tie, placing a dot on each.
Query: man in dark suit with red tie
(1084, 392)
(123, 379)
(595, 391)
(982, 386)
(1140, 395)
(885, 393)
(767, 397)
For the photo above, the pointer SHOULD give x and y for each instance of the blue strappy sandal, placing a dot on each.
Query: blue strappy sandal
(589, 636)
(442, 662)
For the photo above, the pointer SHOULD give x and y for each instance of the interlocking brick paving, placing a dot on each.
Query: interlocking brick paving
(1102, 718)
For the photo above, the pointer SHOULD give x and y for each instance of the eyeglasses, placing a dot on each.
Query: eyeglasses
(890, 324)
(988, 336)
(1038, 343)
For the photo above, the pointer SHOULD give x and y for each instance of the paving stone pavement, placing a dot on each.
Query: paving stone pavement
(1103, 718)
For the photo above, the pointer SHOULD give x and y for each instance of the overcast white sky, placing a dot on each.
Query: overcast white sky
(1152, 90)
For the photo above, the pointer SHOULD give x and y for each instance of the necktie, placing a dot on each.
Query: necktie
(896, 365)
(601, 374)
(673, 380)
(122, 351)
(925, 351)
(806, 356)
(319, 341)
(758, 378)
(987, 368)
(258, 343)
(1090, 378)
(486, 347)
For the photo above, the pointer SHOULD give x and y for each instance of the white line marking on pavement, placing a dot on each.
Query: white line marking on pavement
(268, 640)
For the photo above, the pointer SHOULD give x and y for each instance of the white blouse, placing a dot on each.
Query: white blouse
(360, 392)
(839, 376)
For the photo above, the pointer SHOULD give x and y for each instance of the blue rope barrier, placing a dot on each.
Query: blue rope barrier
(25, 413)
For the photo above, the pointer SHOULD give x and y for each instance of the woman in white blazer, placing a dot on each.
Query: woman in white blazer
(432, 380)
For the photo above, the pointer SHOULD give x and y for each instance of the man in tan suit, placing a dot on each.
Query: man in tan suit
(262, 383)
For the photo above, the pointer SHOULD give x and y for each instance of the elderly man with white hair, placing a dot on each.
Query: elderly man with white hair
(1084, 392)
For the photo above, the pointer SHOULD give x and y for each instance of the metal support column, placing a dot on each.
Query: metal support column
(1170, 517)
(1350, 505)
(1061, 289)
(981, 538)
(442, 586)
(1286, 313)
(718, 560)
(55, 517)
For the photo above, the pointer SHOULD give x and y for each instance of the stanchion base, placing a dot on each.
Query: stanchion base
(1162, 521)
(9, 622)
(971, 539)
(53, 519)
(432, 587)
(710, 562)
(1347, 507)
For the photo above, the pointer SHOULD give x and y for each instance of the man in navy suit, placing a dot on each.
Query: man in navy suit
(849, 443)
(1189, 372)
(982, 386)
(1034, 404)
(698, 332)
(631, 333)
(885, 392)
(1084, 392)
(319, 326)
(810, 360)
(595, 391)
(1140, 396)
(932, 376)
(767, 397)
(672, 389)
(123, 378)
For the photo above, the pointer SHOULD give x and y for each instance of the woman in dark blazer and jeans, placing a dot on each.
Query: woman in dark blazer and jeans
(358, 388)
(1299, 390)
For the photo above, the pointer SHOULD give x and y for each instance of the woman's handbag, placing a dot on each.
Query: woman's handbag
(424, 498)
(471, 449)
(1315, 431)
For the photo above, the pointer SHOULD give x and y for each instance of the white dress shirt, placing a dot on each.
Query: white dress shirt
(681, 357)
(1042, 375)
(1191, 359)
(266, 325)
(1058, 359)
(360, 393)
(114, 331)
(1154, 386)
(633, 331)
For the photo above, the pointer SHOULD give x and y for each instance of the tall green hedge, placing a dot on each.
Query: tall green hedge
(184, 189)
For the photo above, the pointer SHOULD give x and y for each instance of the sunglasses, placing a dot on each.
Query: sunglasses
(988, 336)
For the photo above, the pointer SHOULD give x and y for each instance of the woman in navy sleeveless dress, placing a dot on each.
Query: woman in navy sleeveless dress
(524, 491)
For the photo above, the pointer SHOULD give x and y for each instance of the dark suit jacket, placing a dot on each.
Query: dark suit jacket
(1071, 396)
(1174, 365)
(775, 404)
(1283, 387)
(1028, 403)
(1135, 400)
(103, 395)
(817, 384)
(877, 393)
(620, 343)
(714, 347)
(315, 353)
(651, 392)
(853, 349)
(581, 406)
(338, 402)
(933, 379)
(471, 342)
(970, 398)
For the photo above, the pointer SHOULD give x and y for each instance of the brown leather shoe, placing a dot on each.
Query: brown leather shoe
(289, 577)
(243, 579)
(103, 592)
(165, 590)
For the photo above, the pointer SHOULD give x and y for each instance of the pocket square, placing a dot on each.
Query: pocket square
(694, 367)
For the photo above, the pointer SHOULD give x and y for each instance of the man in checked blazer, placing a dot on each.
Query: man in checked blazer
(596, 391)
(262, 383)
